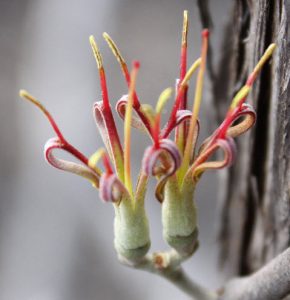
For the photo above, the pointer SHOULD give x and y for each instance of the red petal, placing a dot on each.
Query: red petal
(107, 128)
(142, 123)
(111, 188)
(182, 115)
(72, 167)
(151, 158)
(201, 164)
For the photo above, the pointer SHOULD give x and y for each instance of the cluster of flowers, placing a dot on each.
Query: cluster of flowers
(174, 162)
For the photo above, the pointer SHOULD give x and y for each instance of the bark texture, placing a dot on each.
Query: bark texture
(255, 208)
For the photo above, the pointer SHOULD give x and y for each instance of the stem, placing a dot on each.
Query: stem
(168, 266)
(180, 279)
(272, 282)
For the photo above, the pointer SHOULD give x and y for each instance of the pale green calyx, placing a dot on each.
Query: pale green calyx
(179, 217)
(132, 239)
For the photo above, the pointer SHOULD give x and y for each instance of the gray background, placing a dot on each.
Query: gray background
(56, 236)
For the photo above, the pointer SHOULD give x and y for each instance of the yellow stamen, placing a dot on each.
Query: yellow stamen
(96, 52)
(127, 132)
(114, 49)
(268, 53)
(242, 93)
(149, 112)
(185, 28)
(195, 110)
(163, 98)
(245, 90)
(190, 72)
(94, 159)
(25, 95)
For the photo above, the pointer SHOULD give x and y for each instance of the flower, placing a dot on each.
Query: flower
(175, 163)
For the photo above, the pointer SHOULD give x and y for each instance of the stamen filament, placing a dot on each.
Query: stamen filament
(124, 68)
(190, 72)
(268, 53)
(245, 90)
(118, 55)
(94, 159)
(183, 57)
(242, 94)
(196, 107)
(71, 149)
(181, 131)
(101, 69)
(123, 65)
(163, 98)
(112, 133)
(25, 95)
(180, 92)
(127, 129)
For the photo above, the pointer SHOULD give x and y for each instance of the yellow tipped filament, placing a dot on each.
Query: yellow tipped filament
(195, 110)
(190, 72)
(127, 132)
(185, 28)
(245, 90)
(242, 93)
(96, 52)
(268, 53)
(94, 159)
(149, 113)
(114, 48)
(163, 98)
(25, 95)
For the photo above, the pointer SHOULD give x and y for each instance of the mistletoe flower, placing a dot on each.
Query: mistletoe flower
(114, 183)
(174, 162)
(175, 189)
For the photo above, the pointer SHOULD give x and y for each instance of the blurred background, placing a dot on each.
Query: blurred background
(56, 236)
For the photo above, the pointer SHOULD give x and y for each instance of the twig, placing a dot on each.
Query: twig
(168, 266)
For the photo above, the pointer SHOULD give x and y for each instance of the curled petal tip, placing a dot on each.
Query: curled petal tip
(228, 147)
(152, 154)
(170, 160)
(79, 169)
(111, 188)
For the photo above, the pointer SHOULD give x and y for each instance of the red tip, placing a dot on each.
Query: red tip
(136, 64)
(205, 33)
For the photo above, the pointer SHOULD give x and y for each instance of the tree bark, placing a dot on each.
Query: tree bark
(255, 206)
